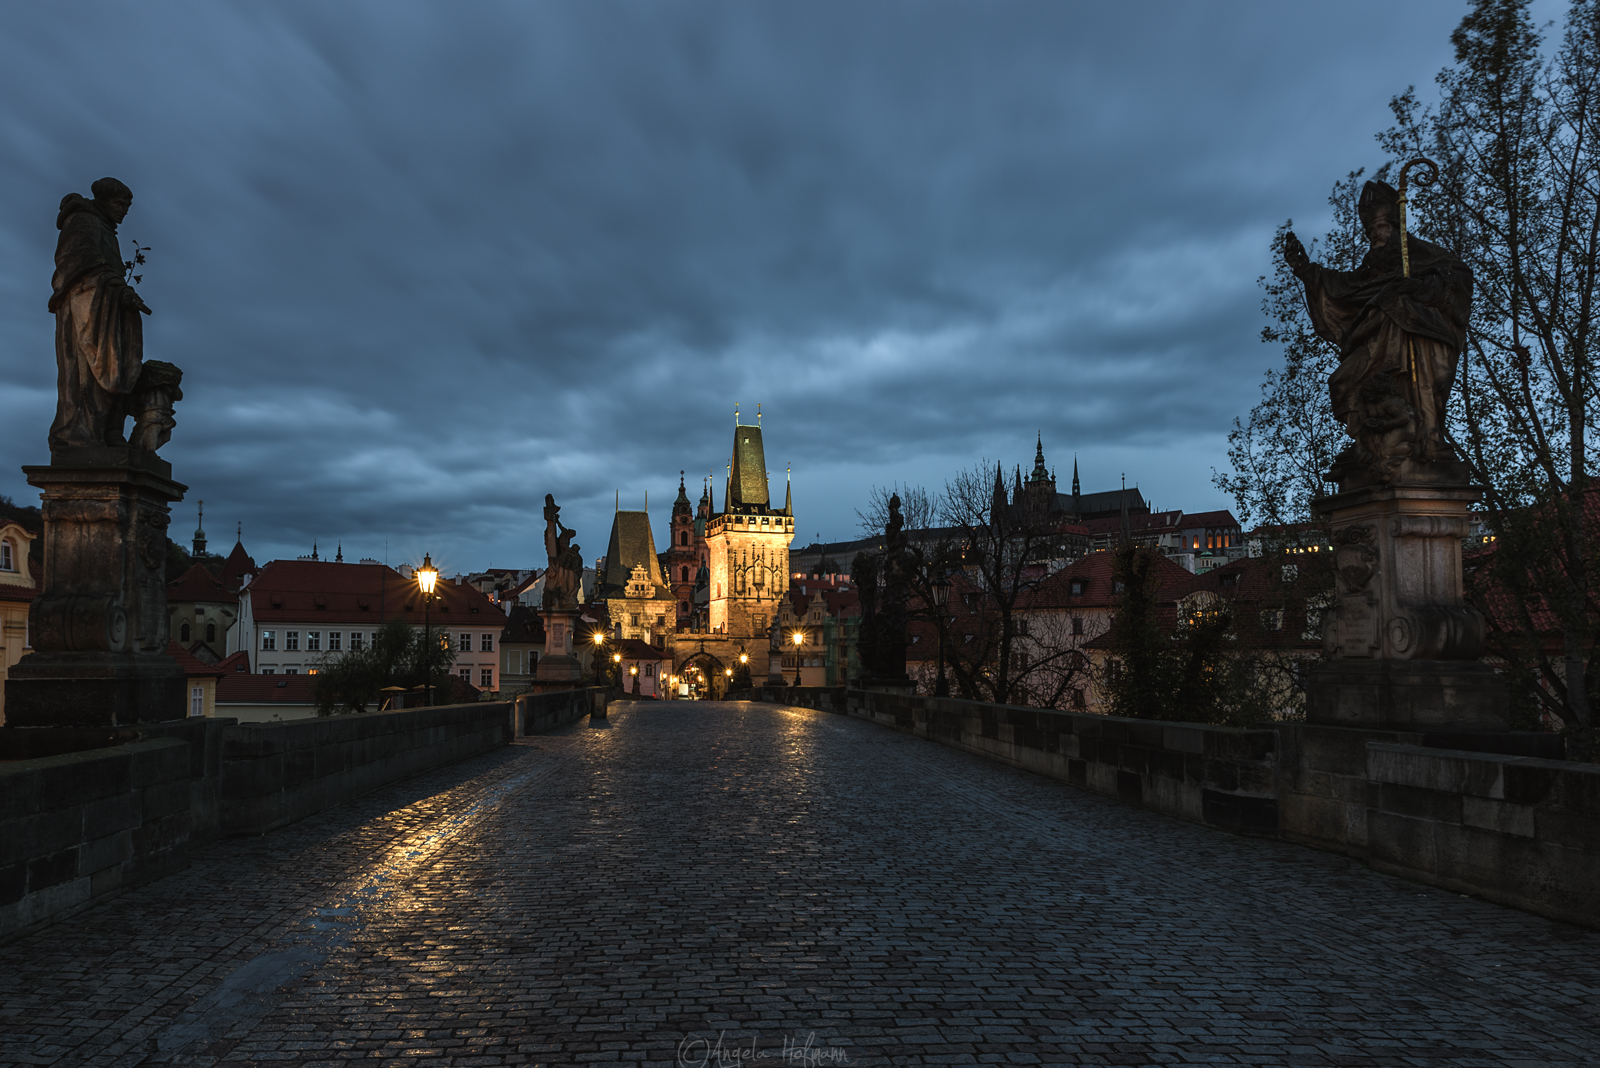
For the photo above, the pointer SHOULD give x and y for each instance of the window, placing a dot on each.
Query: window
(355, 640)
(514, 661)
(486, 643)
(466, 643)
(683, 607)
(291, 671)
(1077, 586)
(1113, 671)
(183, 634)
(761, 624)
(1022, 625)
(1116, 587)
(335, 641)
(269, 639)
(686, 574)
(211, 632)
(486, 678)
(764, 520)
(313, 641)
(269, 671)
(1077, 626)
(683, 539)
(197, 701)
(466, 675)
(633, 618)
(291, 639)
(1291, 572)
(649, 671)
(1077, 697)
(8, 562)
(1272, 619)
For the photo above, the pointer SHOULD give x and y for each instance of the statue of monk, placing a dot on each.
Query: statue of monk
(1410, 331)
(99, 336)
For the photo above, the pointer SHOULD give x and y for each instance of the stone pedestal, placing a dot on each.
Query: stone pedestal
(1404, 644)
(99, 626)
(558, 664)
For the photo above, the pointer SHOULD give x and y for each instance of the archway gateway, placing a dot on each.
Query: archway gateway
(705, 675)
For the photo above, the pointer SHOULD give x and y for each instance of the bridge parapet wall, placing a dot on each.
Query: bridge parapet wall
(85, 814)
(1497, 815)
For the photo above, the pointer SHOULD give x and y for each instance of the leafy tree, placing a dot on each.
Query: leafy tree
(398, 655)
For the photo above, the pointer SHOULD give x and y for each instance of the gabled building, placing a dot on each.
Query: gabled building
(633, 588)
(200, 613)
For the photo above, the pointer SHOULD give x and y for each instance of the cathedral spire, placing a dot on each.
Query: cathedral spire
(1040, 473)
(997, 502)
(788, 491)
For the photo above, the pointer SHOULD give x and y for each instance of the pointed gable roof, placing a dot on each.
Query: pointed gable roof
(199, 585)
(747, 481)
(632, 545)
(236, 567)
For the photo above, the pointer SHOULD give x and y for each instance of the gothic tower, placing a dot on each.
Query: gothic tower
(748, 543)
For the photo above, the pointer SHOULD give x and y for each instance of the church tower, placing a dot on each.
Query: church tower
(748, 544)
(683, 553)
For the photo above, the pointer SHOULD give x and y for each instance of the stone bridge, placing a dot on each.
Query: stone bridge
(747, 883)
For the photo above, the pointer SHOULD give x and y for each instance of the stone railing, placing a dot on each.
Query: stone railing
(1497, 815)
(77, 826)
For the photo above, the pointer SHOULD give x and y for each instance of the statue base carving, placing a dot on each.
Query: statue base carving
(1403, 642)
(558, 664)
(98, 628)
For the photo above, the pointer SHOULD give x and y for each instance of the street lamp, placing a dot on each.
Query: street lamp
(427, 575)
(634, 671)
(599, 638)
(941, 597)
(799, 639)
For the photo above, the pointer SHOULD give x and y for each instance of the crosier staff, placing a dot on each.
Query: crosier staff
(1425, 178)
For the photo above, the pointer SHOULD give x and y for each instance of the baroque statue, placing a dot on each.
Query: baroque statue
(102, 377)
(565, 559)
(1399, 321)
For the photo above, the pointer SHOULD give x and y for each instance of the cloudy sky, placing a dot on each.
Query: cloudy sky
(424, 263)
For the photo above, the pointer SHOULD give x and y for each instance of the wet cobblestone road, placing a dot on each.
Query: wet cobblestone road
(735, 884)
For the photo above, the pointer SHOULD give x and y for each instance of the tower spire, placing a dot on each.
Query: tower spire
(1127, 526)
(788, 490)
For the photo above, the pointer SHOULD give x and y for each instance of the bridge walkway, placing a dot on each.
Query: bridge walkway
(688, 883)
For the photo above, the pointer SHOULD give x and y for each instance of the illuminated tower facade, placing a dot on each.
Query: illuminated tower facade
(748, 544)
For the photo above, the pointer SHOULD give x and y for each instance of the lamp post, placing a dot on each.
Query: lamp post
(941, 597)
(635, 672)
(799, 639)
(599, 638)
(427, 575)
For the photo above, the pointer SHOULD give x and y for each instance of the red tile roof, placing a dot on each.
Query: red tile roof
(192, 666)
(18, 593)
(265, 689)
(198, 584)
(236, 662)
(634, 649)
(1223, 518)
(320, 591)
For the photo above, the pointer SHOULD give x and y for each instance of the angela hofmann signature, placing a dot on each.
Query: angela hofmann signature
(724, 1052)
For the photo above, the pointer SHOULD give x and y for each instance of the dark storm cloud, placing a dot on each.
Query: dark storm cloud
(423, 264)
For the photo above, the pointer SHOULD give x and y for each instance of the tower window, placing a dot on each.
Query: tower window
(683, 537)
(686, 574)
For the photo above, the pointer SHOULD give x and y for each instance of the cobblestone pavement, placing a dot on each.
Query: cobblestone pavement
(736, 884)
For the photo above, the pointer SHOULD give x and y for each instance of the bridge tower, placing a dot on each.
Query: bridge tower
(748, 543)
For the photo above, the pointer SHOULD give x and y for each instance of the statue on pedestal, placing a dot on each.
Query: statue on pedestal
(98, 629)
(565, 571)
(1402, 644)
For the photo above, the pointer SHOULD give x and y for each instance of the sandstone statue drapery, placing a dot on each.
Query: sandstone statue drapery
(565, 559)
(1398, 338)
(99, 335)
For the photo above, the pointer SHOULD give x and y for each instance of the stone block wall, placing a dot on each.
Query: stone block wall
(540, 712)
(80, 826)
(1518, 830)
(273, 774)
